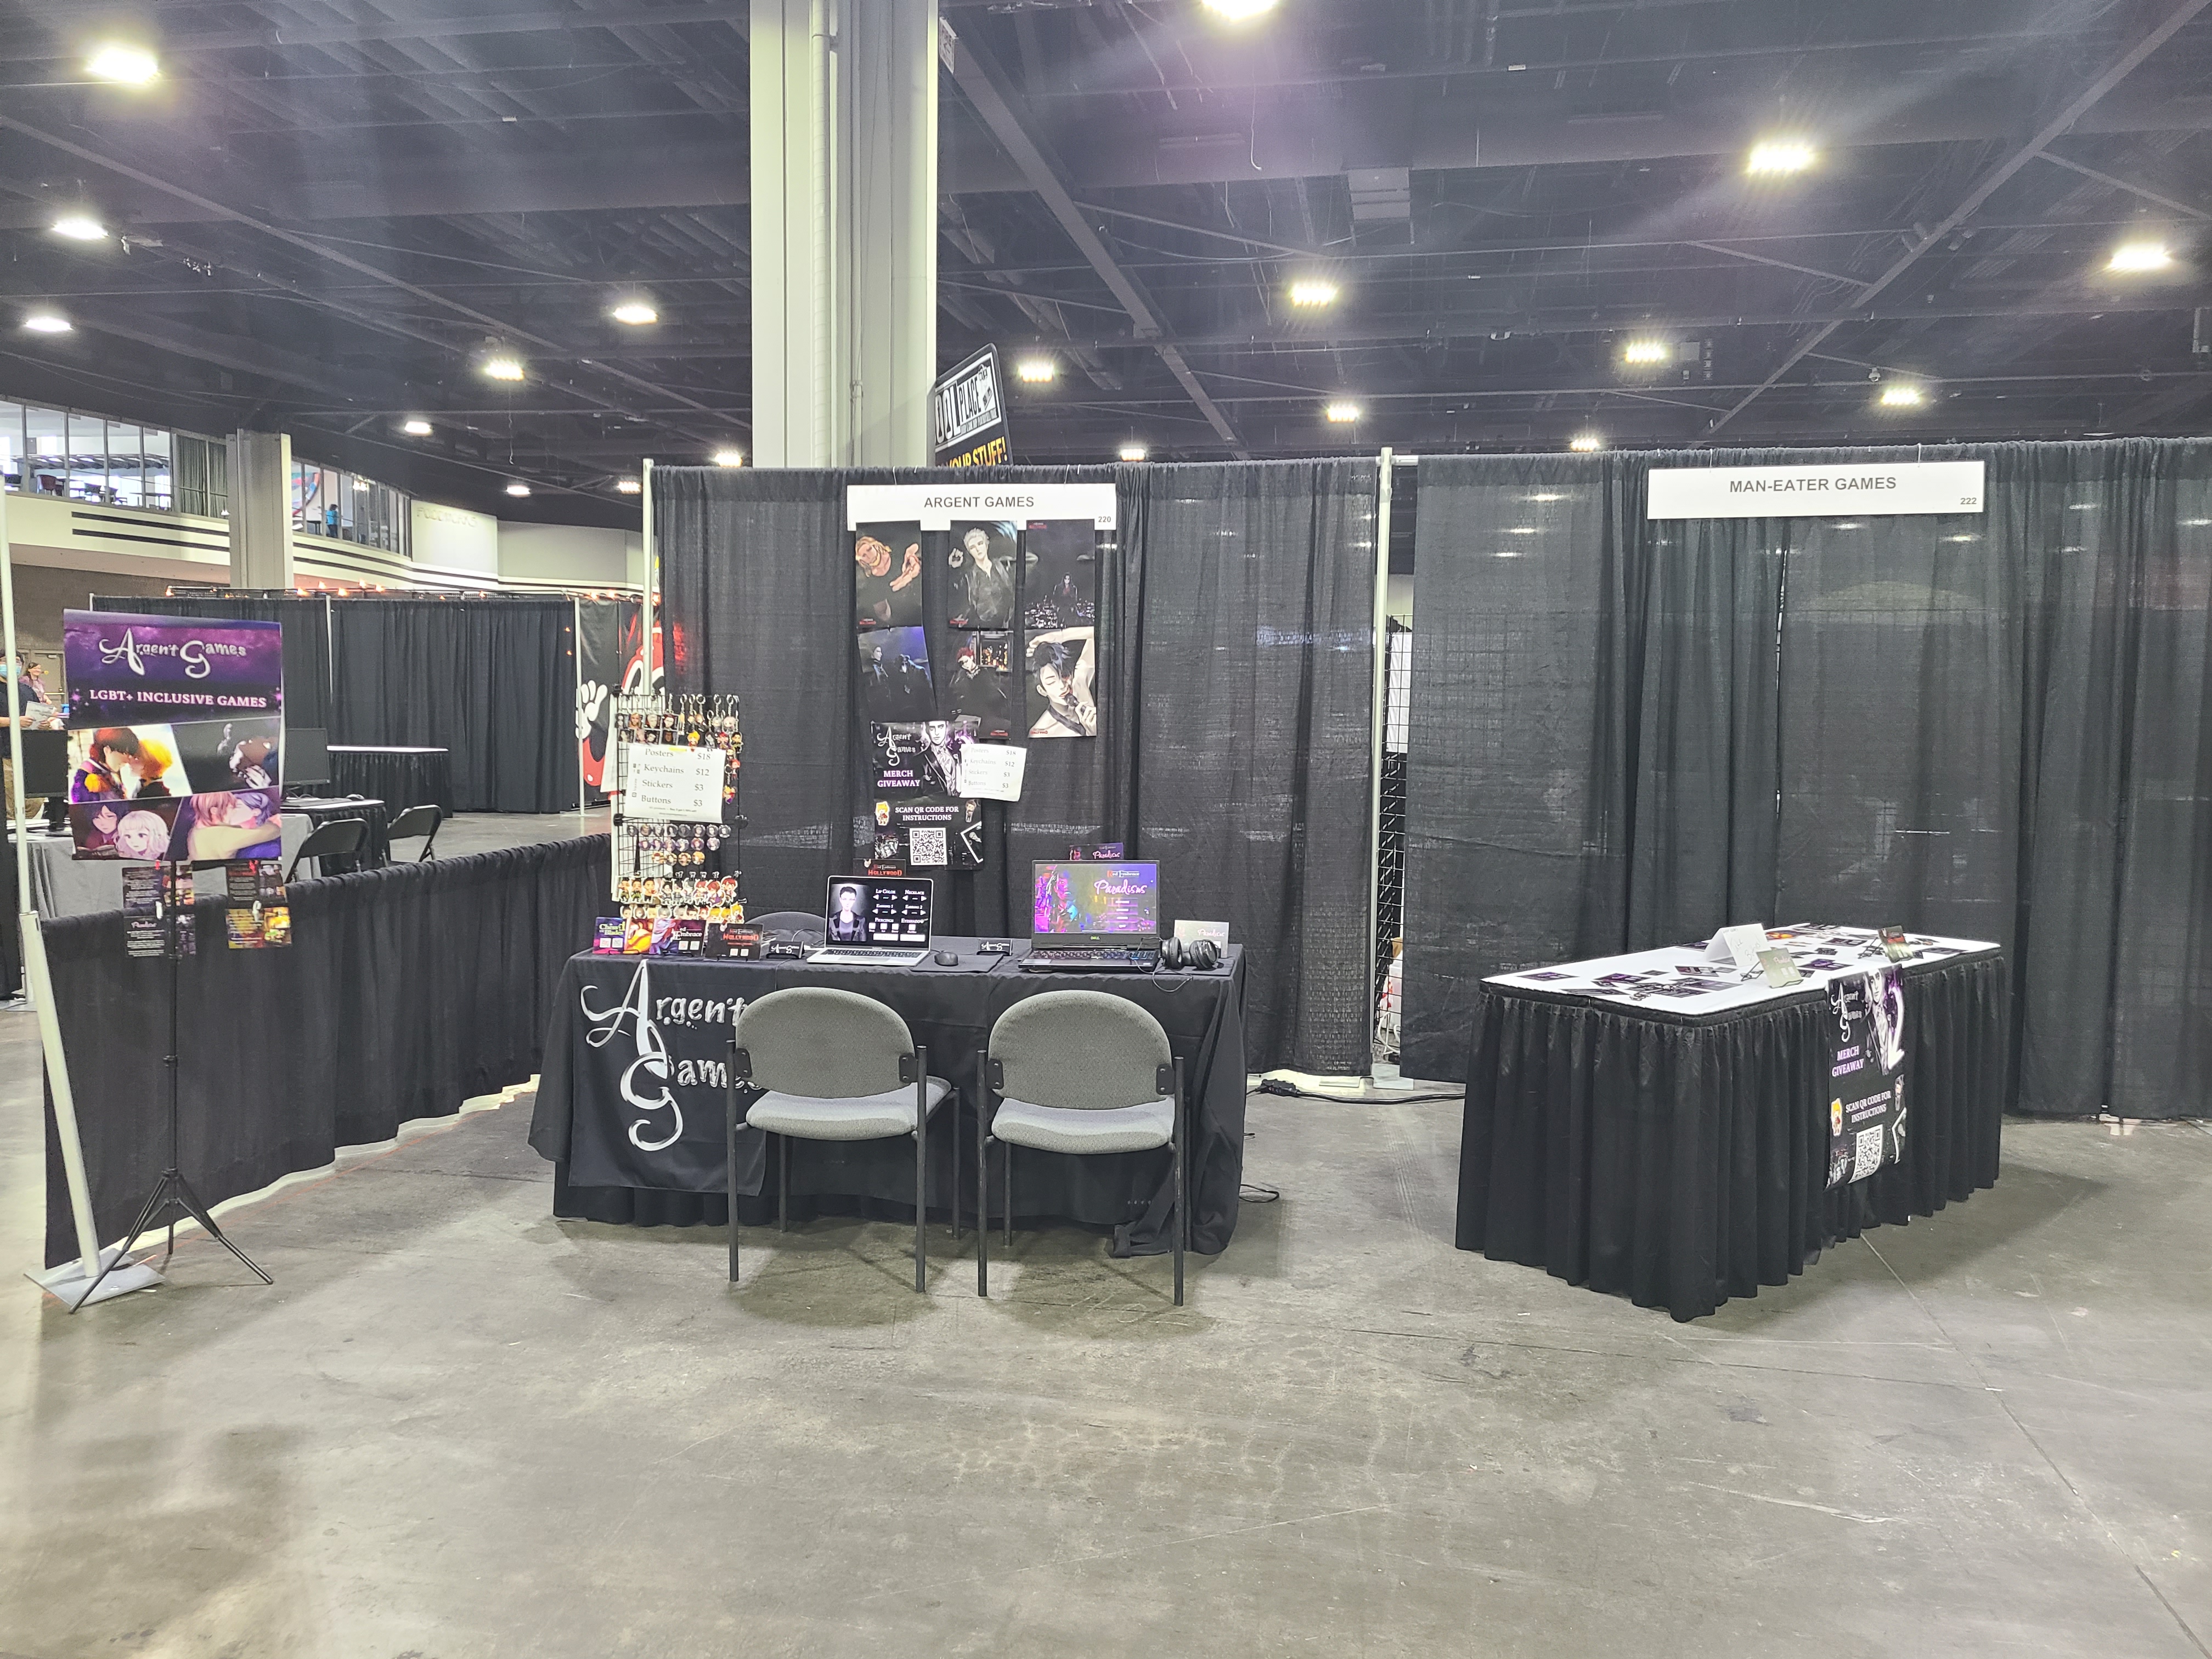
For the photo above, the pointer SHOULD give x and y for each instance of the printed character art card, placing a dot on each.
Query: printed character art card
(895, 683)
(982, 563)
(1059, 574)
(1062, 670)
(886, 576)
(981, 685)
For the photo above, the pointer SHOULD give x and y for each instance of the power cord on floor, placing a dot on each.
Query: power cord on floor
(1275, 1085)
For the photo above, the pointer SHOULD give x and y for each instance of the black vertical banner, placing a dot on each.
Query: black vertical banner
(1866, 1074)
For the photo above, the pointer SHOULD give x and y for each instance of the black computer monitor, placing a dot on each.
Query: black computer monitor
(305, 757)
(45, 763)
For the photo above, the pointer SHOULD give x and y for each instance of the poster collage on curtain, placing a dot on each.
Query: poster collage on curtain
(1022, 608)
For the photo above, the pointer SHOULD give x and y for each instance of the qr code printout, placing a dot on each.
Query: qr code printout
(1867, 1154)
(924, 847)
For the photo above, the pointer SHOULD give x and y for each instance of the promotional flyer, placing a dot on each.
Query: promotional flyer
(1866, 1074)
(175, 733)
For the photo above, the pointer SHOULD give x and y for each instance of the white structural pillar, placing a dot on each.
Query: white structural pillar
(844, 231)
(260, 510)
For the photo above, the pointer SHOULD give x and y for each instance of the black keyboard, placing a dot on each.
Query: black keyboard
(1115, 959)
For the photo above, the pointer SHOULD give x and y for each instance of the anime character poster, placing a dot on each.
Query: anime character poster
(979, 686)
(175, 736)
(1059, 574)
(1061, 677)
(982, 563)
(895, 683)
(886, 577)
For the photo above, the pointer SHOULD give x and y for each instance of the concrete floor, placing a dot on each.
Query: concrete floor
(456, 1427)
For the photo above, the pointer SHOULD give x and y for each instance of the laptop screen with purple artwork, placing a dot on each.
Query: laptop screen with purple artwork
(1097, 903)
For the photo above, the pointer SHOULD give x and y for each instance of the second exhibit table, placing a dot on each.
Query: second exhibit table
(630, 1104)
(1623, 1141)
(400, 777)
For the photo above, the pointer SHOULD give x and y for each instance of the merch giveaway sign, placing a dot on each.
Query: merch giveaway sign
(174, 732)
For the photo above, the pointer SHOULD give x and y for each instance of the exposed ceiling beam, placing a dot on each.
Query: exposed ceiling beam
(539, 20)
(2189, 210)
(231, 351)
(979, 77)
(2081, 103)
(1768, 260)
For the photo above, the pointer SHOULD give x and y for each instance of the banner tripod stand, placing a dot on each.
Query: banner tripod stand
(172, 1193)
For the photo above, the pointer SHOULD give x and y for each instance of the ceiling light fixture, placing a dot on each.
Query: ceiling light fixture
(518, 489)
(1902, 397)
(729, 458)
(1646, 351)
(636, 313)
(416, 428)
(132, 66)
(1132, 451)
(1583, 443)
(46, 322)
(1344, 413)
(1314, 291)
(1239, 11)
(500, 366)
(1036, 371)
(1773, 157)
(80, 227)
(628, 486)
(2133, 258)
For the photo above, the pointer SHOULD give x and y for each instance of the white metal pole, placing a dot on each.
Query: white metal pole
(652, 568)
(34, 943)
(1382, 620)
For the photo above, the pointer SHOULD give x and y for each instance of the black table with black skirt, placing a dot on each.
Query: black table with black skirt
(375, 847)
(632, 1098)
(1680, 1159)
(399, 777)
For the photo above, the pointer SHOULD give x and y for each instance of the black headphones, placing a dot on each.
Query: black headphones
(1193, 955)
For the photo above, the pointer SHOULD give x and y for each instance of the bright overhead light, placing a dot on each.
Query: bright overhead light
(360, 483)
(45, 322)
(1778, 155)
(1902, 397)
(628, 486)
(2133, 258)
(416, 428)
(729, 458)
(1583, 442)
(81, 227)
(1343, 413)
(1238, 11)
(503, 368)
(636, 313)
(132, 65)
(1313, 291)
(1646, 351)
(1132, 451)
(1036, 371)
(518, 489)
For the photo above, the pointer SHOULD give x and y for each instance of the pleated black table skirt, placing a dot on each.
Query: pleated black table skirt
(1680, 1163)
(401, 778)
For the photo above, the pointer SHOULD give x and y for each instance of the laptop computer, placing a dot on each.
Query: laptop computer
(1092, 918)
(875, 922)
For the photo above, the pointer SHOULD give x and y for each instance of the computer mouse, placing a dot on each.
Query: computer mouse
(948, 958)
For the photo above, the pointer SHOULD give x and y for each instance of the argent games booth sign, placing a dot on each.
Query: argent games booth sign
(968, 415)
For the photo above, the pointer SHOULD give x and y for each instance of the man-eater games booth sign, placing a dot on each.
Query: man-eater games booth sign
(968, 415)
(175, 743)
(1866, 1074)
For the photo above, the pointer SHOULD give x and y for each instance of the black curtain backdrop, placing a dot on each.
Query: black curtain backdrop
(307, 641)
(492, 681)
(1235, 674)
(1992, 725)
(407, 990)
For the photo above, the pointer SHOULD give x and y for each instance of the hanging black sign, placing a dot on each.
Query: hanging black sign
(968, 415)
(1866, 1074)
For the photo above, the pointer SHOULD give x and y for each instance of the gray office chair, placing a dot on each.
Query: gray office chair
(1081, 1072)
(824, 1064)
(804, 925)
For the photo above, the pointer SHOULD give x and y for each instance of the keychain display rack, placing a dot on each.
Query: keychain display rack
(684, 870)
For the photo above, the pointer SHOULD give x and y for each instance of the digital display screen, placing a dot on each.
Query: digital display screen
(862, 911)
(1095, 898)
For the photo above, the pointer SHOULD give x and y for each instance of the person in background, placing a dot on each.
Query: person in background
(38, 711)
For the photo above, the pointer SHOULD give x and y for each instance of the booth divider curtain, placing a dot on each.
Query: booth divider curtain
(406, 991)
(1236, 618)
(1994, 725)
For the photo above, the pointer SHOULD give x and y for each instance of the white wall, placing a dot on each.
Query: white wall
(1399, 602)
(453, 538)
(567, 555)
